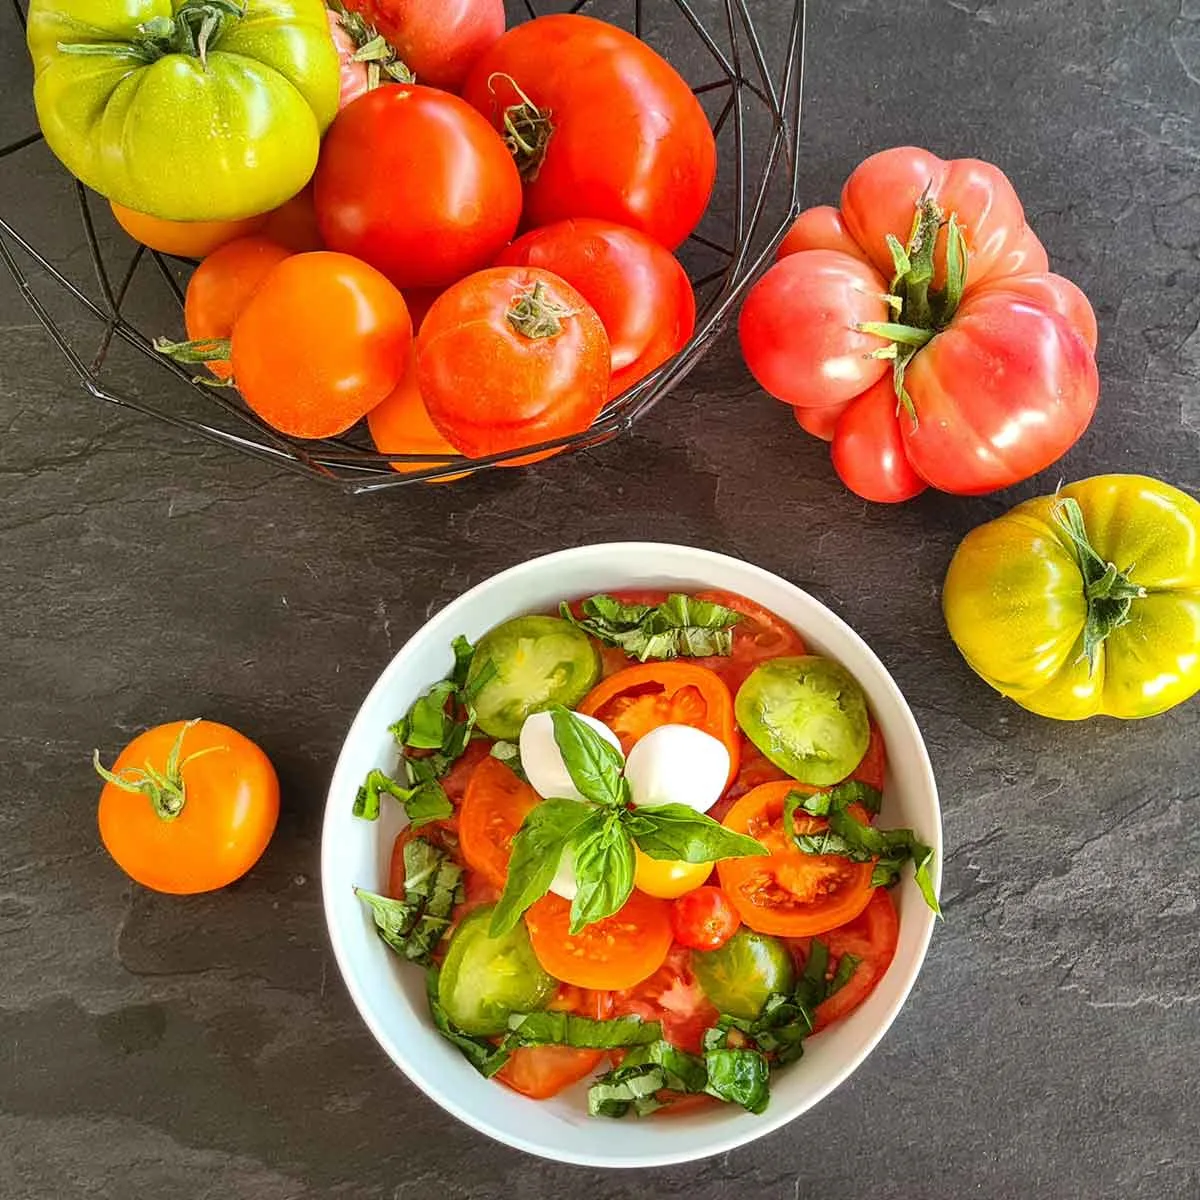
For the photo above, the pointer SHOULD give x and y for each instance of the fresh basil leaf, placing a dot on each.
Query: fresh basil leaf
(846, 967)
(568, 1029)
(636, 1087)
(604, 866)
(483, 1055)
(429, 724)
(593, 764)
(812, 987)
(835, 799)
(739, 1077)
(510, 756)
(680, 626)
(366, 800)
(428, 802)
(463, 653)
(545, 833)
(425, 802)
(683, 1072)
(675, 831)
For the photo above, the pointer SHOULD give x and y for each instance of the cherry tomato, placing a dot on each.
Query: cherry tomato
(294, 224)
(221, 287)
(416, 183)
(868, 448)
(188, 807)
(612, 130)
(667, 878)
(639, 291)
(634, 701)
(788, 892)
(185, 239)
(495, 804)
(321, 342)
(671, 996)
(438, 40)
(704, 919)
(510, 357)
(400, 424)
(611, 954)
(543, 1071)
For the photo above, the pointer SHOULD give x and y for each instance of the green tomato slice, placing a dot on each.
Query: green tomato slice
(485, 979)
(740, 975)
(808, 715)
(525, 666)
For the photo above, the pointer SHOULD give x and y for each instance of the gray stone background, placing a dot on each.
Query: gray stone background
(205, 1048)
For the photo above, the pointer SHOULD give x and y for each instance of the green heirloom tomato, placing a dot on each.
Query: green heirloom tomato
(188, 110)
(740, 975)
(1086, 602)
(808, 715)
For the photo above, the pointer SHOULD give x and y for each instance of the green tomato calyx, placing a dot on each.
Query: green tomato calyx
(527, 129)
(1109, 591)
(535, 315)
(193, 31)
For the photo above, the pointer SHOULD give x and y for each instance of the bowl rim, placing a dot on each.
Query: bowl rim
(767, 1122)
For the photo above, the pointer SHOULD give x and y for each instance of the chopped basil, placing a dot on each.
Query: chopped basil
(644, 1072)
(486, 1057)
(681, 626)
(414, 926)
(838, 797)
(568, 1029)
(738, 1077)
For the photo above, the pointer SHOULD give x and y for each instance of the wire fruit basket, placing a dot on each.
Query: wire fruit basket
(746, 72)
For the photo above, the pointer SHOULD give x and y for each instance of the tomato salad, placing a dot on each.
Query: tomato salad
(642, 849)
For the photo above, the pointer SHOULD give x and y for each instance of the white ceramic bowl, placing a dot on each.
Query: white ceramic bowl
(390, 993)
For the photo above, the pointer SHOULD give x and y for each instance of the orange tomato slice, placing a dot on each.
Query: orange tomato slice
(495, 805)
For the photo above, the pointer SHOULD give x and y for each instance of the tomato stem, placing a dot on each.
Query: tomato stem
(527, 129)
(373, 49)
(203, 350)
(535, 315)
(1109, 591)
(193, 31)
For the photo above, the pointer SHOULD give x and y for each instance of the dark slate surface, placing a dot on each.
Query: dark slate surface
(154, 1047)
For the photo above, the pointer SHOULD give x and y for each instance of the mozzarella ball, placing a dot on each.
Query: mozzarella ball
(542, 761)
(564, 883)
(678, 764)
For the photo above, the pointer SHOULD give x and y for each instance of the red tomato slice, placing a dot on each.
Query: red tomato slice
(759, 635)
(672, 996)
(495, 805)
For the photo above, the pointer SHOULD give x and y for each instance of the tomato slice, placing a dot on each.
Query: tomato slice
(871, 937)
(635, 701)
(611, 954)
(787, 892)
(543, 1071)
(495, 805)
(873, 766)
(759, 635)
(672, 997)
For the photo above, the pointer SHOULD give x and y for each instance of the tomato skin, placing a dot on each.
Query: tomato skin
(229, 815)
(630, 143)
(221, 287)
(1015, 606)
(228, 137)
(495, 804)
(293, 224)
(438, 40)
(436, 198)
(868, 450)
(759, 635)
(820, 228)
(797, 328)
(704, 919)
(353, 80)
(639, 291)
(672, 996)
(488, 387)
(667, 878)
(321, 342)
(185, 239)
(1003, 364)
(763, 888)
(615, 953)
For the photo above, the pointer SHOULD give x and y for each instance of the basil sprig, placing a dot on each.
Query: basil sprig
(599, 834)
(681, 626)
(849, 837)
(414, 926)
(439, 725)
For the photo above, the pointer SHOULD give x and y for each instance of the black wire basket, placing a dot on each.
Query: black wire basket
(746, 71)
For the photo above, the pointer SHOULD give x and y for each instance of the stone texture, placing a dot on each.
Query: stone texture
(206, 1047)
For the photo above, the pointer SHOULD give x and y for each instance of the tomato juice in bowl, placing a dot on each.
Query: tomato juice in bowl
(391, 993)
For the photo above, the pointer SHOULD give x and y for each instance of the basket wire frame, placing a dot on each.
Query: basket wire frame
(758, 222)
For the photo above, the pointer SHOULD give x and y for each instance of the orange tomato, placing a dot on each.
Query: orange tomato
(188, 807)
(787, 892)
(185, 239)
(221, 287)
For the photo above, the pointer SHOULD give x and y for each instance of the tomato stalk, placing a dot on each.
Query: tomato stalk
(373, 49)
(192, 31)
(535, 315)
(527, 130)
(1109, 592)
(165, 790)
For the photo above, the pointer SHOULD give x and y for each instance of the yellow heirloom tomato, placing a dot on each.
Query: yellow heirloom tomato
(667, 878)
(1085, 602)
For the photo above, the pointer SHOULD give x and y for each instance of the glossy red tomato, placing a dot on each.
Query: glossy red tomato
(638, 289)
(995, 363)
(510, 357)
(438, 40)
(413, 181)
(703, 919)
(610, 129)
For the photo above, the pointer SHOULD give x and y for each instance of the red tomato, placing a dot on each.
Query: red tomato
(495, 805)
(510, 357)
(321, 342)
(416, 183)
(221, 287)
(543, 1071)
(294, 224)
(999, 370)
(613, 130)
(704, 919)
(672, 997)
(438, 40)
(639, 291)
(759, 635)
